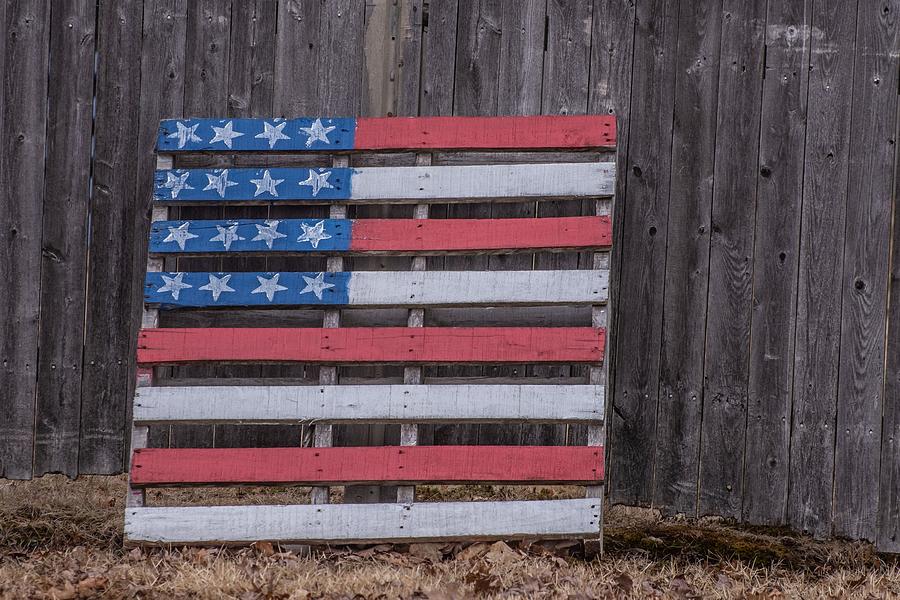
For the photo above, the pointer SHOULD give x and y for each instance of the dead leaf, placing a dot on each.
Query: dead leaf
(200, 556)
(427, 551)
(264, 548)
(681, 588)
(91, 585)
(66, 592)
(474, 551)
(624, 582)
(501, 553)
(451, 591)
(136, 554)
(482, 580)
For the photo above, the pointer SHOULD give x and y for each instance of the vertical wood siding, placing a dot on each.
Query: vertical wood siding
(754, 331)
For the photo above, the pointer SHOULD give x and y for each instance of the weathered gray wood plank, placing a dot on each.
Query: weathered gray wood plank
(821, 260)
(775, 261)
(687, 256)
(731, 251)
(867, 252)
(64, 243)
(23, 117)
(633, 418)
(392, 56)
(439, 30)
(110, 337)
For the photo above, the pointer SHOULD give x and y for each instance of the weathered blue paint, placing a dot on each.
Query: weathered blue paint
(252, 235)
(196, 135)
(217, 185)
(244, 285)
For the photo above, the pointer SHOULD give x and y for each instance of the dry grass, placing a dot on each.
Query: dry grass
(62, 539)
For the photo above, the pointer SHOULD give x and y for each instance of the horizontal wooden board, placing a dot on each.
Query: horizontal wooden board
(378, 236)
(385, 184)
(345, 523)
(434, 345)
(317, 134)
(375, 403)
(377, 288)
(367, 465)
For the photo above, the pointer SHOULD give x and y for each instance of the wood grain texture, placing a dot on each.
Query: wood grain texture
(367, 465)
(109, 327)
(866, 272)
(438, 58)
(64, 239)
(730, 259)
(687, 257)
(393, 52)
(372, 345)
(775, 261)
(633, 420)
(23, 113)
(377, 403)
(818, 325)
(423, 521)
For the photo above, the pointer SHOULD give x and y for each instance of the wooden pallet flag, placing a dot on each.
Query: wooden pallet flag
(335, 182)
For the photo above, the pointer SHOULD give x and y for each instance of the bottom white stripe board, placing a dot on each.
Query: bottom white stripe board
(381, 403)
(346, 523)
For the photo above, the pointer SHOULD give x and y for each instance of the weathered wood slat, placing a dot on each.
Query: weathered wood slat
(818, 322)
(423, 521)
(368, 465)
(867, 253)
(775, 261)
(475, 345)
(378, 236)
(377, 403)
(316, 134)
(386, 184)
(730, 260)
(388, 288)
(687, 256)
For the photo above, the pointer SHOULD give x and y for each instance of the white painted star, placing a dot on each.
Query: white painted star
(225, 134)
(180, 234)
(227, 235)
(268, 233)
(219, 182)
(273, 133)
(185, 134)
(317, 181)
(317, 132)
(314, 234)
(316, 285)
(266, 184)
(217, 285)
(268, 286)
(174, 285)
(176, 183)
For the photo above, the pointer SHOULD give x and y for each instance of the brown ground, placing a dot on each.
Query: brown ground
(62, 539)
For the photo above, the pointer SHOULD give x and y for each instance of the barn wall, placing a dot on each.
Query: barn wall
(756, 343)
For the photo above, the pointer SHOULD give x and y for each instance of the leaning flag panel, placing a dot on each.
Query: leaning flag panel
(387, 236)
(317, 134)
(392, 345)
(377, 288)
(387, 184)
(369, 465)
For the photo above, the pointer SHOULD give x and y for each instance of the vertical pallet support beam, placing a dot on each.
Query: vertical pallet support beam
(598, 375)
(328, 375)
(409, 432)
(149, 318)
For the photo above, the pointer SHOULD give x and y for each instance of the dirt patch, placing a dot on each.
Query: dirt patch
(62, 539)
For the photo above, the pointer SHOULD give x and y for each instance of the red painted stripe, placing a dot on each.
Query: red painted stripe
(482, 133)
(442, 345)
(385, 464)
(448, 235)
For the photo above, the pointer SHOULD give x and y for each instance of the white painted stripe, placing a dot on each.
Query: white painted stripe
(364, 522)
(484, 181)
(452, 288)
(381, 403)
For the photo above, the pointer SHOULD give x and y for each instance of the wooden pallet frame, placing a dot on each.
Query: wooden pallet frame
(413, 402)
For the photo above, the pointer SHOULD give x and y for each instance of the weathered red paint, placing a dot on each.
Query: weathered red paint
(441, 345)
(483, 133)
(370, 465)
(453, 235)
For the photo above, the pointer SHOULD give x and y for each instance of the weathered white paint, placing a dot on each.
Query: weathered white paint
(454, 288)
(484, 181)
(363, 522)
(381, 403)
